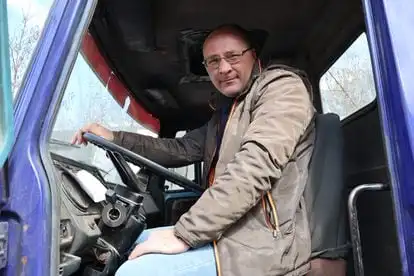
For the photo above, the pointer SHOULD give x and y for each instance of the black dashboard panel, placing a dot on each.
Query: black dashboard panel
(79, 215)
(89, 243)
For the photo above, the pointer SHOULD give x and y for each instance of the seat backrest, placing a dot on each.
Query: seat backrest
(325, 190)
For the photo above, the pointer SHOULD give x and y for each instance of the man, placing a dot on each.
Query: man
(256, 149)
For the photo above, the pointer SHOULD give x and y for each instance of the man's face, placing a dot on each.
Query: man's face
(229, 76)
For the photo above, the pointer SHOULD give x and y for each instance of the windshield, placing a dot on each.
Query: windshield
(86, 100)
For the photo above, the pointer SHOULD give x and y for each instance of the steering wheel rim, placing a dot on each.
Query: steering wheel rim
(143, 162)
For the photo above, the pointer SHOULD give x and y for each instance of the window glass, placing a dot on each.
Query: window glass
(26, 22)
(187, 171)
(348, 85)
(6, 110)
(87, 100)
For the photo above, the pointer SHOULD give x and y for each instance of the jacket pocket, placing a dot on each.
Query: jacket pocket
(270, 215)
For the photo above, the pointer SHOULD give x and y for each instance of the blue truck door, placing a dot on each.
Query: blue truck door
(30, 205)
(6, 127)
(389, 29)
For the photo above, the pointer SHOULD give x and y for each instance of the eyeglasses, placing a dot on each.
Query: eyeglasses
(230, 57)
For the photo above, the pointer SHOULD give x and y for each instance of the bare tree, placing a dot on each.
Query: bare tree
(349, 85)
(22, 43)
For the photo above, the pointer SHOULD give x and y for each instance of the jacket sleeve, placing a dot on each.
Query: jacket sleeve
(175, 152)
(280, 116)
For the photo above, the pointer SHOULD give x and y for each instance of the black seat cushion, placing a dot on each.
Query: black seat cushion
(325, 191)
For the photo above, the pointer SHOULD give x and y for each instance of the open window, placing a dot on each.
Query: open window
(26, 22)
(348, 85)
(6, 109)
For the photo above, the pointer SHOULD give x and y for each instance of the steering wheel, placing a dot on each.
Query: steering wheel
(119, 155)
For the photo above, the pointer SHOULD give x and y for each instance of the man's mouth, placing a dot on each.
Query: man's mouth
(227, 81)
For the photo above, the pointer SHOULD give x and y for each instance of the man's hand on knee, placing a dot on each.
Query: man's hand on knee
(160, 241)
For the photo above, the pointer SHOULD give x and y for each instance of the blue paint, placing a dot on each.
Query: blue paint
(389, 26)
(29, 206)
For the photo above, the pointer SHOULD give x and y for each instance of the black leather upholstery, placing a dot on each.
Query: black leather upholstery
(325, 191)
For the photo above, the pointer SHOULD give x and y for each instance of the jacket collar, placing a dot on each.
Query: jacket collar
(256, 71)
(220, 101)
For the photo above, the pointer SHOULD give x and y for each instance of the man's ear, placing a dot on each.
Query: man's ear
(254, 53)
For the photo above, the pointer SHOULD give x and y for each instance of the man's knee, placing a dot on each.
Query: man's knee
(142, 264)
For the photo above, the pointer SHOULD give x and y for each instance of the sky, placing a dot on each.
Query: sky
(37, 8)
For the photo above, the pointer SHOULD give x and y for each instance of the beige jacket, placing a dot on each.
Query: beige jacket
(254, 211)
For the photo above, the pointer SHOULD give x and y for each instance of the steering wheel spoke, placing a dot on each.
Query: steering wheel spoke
(119, 155)
(127, 175)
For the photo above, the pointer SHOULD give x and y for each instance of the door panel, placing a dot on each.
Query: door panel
(366, 163)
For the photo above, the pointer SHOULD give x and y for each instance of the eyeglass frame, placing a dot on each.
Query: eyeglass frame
(238, 55)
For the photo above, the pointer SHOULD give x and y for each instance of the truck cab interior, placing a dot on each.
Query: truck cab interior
(147, 61)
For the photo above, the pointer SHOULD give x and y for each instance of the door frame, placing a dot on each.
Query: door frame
(388, 23)
(34, 203)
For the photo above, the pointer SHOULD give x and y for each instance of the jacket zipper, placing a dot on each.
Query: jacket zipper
(272, 225)
(211, 176)
(215, 149)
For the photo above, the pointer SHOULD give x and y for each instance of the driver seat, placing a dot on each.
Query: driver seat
(325, 196)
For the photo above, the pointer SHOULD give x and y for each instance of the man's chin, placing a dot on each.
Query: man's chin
(231, 91)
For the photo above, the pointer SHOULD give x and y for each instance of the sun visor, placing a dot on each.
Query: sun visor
(134, 21)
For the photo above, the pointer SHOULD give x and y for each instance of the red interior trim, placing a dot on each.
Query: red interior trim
(115, 86)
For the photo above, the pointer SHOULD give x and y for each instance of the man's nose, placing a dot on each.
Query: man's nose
(224, 67)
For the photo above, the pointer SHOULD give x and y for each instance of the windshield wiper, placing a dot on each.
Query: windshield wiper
(63, 143)
(77, 163)
(67, 144)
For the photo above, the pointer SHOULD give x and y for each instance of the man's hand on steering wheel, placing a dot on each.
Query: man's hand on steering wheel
(103, 138)
(93, 128)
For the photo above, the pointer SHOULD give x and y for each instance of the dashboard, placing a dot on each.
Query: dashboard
(95, 237)
(100, 221)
